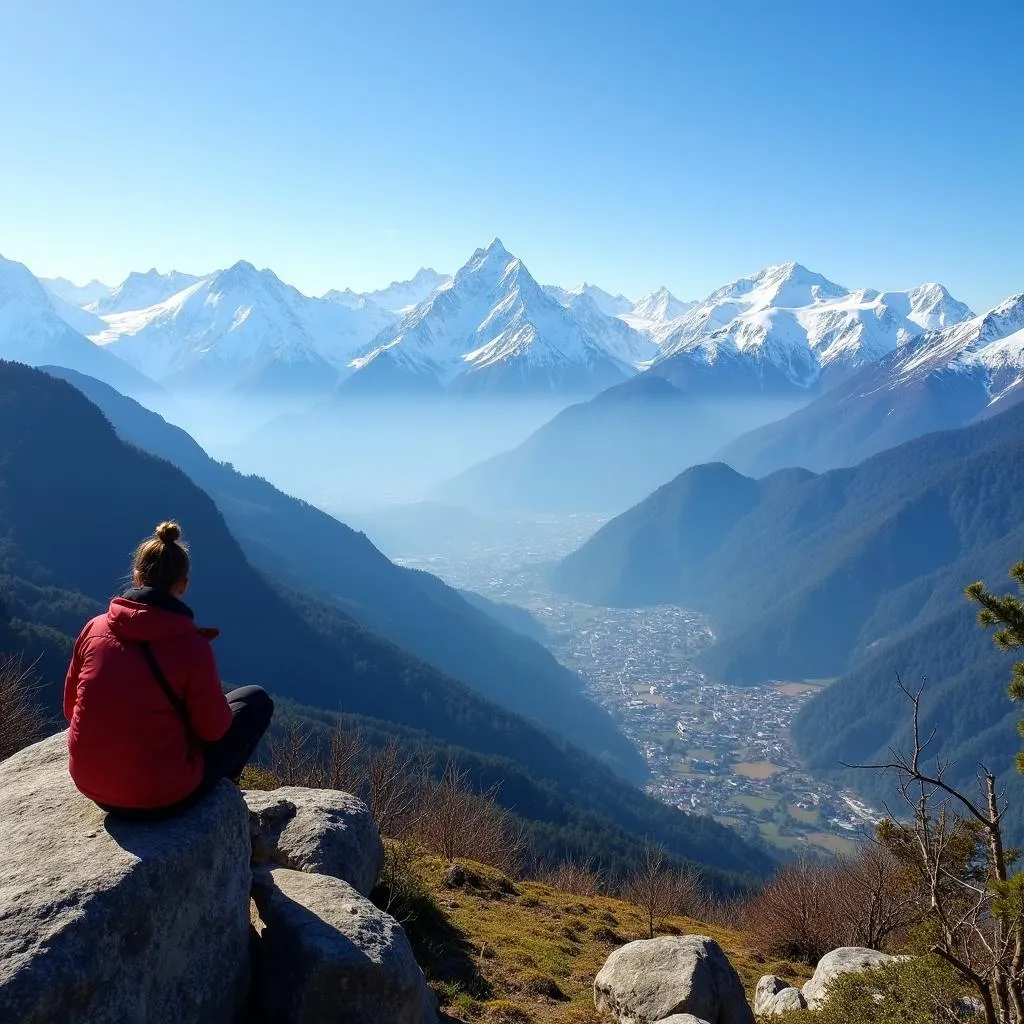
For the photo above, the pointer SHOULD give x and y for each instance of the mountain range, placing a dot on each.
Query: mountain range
(492, 329)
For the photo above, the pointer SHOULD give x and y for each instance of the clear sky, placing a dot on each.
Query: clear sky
(630, 143)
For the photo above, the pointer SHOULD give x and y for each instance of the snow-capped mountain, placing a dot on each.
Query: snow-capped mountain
(402, 296)
(77, 295)
(142, 290)
(788, 327)
(241, 328)
(491, 328)
(32, 331)
(658, 307)
(938, 381)
(610, 305)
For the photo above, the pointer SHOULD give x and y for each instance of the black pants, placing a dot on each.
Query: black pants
(251, 711)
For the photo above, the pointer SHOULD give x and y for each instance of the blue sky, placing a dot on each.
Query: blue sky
(628, 144)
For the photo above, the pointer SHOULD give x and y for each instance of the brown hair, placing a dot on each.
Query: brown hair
(162, 560)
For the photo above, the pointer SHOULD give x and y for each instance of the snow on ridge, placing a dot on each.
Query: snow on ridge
(803, 323)
(991, 343)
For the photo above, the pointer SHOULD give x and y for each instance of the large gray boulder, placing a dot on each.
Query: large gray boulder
(323, 831)
(107, 921)
(652, 979)
(327, 954)
(844, 960)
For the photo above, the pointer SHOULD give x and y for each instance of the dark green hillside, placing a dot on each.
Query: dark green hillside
(298, 544)
(74, 499)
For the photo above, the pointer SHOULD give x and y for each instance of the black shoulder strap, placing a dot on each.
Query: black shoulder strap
(158, 674)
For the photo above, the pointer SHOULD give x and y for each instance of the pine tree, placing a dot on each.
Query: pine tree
(1005, 611)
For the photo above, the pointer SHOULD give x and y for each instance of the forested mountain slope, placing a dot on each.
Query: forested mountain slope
(298, 544)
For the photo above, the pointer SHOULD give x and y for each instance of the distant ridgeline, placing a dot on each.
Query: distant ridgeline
(73, 499)
(857, 573)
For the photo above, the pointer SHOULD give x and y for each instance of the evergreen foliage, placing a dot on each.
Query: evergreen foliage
(1007, 612)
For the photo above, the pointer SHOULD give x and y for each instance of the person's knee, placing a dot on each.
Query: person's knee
(262, 706)
(254, 703)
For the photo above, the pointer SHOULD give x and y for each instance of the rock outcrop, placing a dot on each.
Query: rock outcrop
(107, 921)
(651, 980)
(326, 953)
(844, 960)
(316, 830)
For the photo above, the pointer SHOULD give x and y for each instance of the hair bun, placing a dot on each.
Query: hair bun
(168, 533)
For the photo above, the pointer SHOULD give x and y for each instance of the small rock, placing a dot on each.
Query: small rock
(327, 954)
(783, 1002)
(323, 831)
(454, 876)
(682, 1018)
(767, 988)
(845, 960)
(654, 979)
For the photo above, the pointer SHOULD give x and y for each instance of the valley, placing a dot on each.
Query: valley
(710, 748)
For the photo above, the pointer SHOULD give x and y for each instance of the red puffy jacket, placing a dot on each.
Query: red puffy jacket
(128, 745)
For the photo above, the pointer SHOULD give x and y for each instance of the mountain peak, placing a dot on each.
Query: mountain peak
(495, 247)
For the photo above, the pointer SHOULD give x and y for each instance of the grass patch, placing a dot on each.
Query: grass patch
(755, 803)
(834, 844)
(756, 769)
(534, 955)
(808, 817)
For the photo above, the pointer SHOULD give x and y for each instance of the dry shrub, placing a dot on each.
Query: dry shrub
(454, 821)
(575, 877)
(21, 719)
(810, 907)
(662, 890)
(446, 816)
(292, 755)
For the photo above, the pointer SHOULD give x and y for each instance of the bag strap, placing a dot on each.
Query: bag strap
(176, 702)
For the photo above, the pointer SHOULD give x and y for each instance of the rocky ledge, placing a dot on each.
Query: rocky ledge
(110, 921)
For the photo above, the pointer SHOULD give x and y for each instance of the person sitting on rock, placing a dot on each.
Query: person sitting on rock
(152, 730)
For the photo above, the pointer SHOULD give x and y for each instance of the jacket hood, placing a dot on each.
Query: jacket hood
(143, 615)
